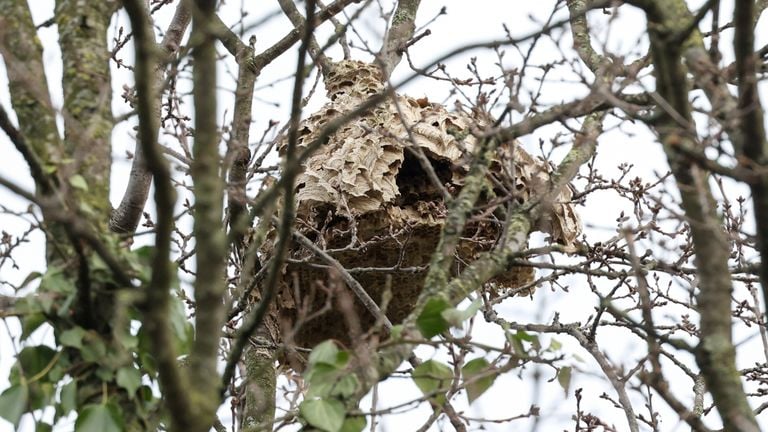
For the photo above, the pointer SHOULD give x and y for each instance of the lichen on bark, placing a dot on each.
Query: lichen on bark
(30, 98)
(715, 354)
(87, 110)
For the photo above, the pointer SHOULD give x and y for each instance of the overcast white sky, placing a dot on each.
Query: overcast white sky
(465, 22)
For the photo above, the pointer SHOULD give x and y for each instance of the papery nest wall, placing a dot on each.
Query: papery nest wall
(365, 199)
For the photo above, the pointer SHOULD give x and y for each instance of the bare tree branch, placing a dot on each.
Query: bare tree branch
(752, 124)
(211, 246)
(400, 32)
(716, 353)
(298, 21)
(30, 97)
(125, 218)
(173, 379)
(287, 212)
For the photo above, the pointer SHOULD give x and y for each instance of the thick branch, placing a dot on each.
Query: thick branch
(238, 154)
(582, 42)
(23, 54)
(88, 122)
(156, 322)
(400, 32)
(752, 126)
(209, 235)
(715, 353)
(42, 180)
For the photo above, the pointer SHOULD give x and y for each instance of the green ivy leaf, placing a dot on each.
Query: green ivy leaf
(100, 272)
(78, 182)
(517, 339)
(68, 397)
(431, 321)
(431, 377)
(127, 340)
(41, 394)
(456, 317)
(55, 281)
(105, 372)
(13, 403)
(564, 378)
(145, 359)
(140, 261)
(342, 358)
(33, 361)
(324, 414)
(475, 385)
(72, 337)
(536, 344)
(346, 386)
(30, 323)
(129, 379)
(321, 378)
(146, 395)
(353, 424)
(93, 348)
(182, 330)
(554, 345)
(43, 427)
(99, 418)
(325, 352)
(522, 335)
(329, 380)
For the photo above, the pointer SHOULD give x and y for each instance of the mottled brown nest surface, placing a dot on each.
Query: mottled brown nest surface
(367, 201)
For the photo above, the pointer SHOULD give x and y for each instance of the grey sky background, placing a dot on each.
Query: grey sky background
(466, 22)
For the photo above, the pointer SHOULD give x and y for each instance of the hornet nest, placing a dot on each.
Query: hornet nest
(365, 200)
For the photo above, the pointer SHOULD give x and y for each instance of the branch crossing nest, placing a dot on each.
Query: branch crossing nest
(365, 198)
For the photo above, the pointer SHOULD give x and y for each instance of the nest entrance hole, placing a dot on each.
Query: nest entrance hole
(413, 182)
